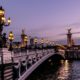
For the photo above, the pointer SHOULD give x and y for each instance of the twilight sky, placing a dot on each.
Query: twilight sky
(44, 18)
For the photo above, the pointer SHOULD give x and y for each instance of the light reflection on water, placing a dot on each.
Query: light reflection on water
(63, 72)
(68, 70)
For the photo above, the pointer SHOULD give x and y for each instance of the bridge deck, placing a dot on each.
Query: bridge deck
(25, 63)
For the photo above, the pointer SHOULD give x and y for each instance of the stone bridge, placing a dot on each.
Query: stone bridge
(24, 63)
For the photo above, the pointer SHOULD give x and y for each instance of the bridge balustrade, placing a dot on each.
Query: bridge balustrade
(23, 61)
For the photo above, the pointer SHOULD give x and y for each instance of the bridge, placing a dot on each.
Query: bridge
(19, 65)
(72, 54)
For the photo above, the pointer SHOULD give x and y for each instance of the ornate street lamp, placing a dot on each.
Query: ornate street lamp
(3, 22)
(31, 46)
(42, 42)
(11, 38)
(26, 41)
(35, 42)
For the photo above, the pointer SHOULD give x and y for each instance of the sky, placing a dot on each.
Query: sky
(42, 18)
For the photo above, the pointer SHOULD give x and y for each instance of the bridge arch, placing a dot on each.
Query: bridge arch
(57, 57)
(52, 56)
(34, 66)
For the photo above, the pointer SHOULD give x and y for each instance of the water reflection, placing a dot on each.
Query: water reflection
(63, 72)
(53, 71)
(67, 70)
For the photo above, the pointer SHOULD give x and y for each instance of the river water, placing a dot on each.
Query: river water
(64, 70)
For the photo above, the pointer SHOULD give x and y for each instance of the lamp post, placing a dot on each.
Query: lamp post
(26, 41)
(31, 46)
(35, 43)
(46, 41)
(11, 37)
(3, 22)
(42, 42)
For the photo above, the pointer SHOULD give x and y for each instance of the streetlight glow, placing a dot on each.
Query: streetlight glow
(9, 21)
(35, 40)
(42, 40)
(3, 19)
(11, 36)
(26, 38)
(1, 11)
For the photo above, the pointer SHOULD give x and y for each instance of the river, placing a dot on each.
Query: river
(64, 70)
